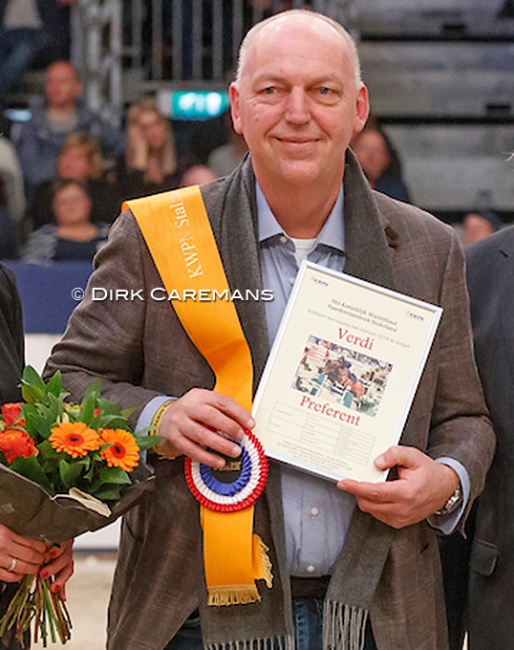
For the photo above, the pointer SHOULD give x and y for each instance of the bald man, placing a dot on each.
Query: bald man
(355, 565)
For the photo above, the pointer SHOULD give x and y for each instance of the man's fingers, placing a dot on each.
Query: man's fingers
(203, 422)
(198, 403)
(373, 492)
(193, 433)
(398, 455)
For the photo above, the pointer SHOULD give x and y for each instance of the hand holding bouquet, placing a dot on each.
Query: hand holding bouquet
(64, 469)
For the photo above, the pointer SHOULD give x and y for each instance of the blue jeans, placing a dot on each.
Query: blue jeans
(307, 618)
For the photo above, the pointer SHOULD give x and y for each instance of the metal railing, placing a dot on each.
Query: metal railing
(128, 48)
(96, 51)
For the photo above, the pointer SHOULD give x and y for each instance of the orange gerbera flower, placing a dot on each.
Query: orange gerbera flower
(74, 438)
(15, 443)
(123, 452)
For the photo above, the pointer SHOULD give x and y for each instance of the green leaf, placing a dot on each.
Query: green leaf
(54, 386)
(90, 475)
(47, 452)
(70, 472)
(113, 422)
(55, 408)
(113, 475)
(107, 407)
(89, 402)
(109, 493)
(30, 468)
(37, 426)
(33, 388)
(147, 442)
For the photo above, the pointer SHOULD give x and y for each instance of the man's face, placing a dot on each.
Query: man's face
(476, 228)
(297, 103)
(62, 87)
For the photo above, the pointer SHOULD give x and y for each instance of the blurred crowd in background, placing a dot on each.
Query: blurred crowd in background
(65, 172)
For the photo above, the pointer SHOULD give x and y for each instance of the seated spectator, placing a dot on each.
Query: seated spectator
(29, 29)
(54, 117)
(80, 159)
(479, 225)
(12, 177)
(376, 156)
(149, 164)
(8, 239)
(223, 160)
(73, 236)
(197, 175)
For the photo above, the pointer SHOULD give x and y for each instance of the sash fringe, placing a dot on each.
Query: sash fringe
(267, 567)
(344, 627)
(220, 595)
(281, 643)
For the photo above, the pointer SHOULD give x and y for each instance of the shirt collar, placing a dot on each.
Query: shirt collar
(331, 235)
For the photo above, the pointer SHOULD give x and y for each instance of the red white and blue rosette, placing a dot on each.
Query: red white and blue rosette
(233, 490)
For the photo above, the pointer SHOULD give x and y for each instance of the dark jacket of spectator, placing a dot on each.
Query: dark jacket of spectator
(73, 237)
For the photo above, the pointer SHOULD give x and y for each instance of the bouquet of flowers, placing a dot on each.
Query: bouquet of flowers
(64, 469)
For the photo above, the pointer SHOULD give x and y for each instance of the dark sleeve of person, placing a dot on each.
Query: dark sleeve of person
(11, 364)
(11, 338)
(39, 211)
(106, 201)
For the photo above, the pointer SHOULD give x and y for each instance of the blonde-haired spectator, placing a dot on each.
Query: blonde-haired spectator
(150, 162)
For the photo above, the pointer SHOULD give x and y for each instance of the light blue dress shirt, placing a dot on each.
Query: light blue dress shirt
(316, 513)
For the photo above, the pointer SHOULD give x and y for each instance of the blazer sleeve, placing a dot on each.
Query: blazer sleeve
(460, 426)
(105, 338)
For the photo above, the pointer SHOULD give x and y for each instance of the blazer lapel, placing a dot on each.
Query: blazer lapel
(366, 245)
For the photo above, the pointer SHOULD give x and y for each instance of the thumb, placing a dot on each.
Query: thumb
(397, 455)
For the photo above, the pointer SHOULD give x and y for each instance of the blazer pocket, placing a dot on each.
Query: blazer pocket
(484, 556)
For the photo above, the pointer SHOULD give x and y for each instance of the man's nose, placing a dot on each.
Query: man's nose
(297, 106)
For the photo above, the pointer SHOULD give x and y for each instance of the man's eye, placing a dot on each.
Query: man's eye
(269, 90)
(324, 90)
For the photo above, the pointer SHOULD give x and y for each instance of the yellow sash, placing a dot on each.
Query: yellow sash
(178, 234)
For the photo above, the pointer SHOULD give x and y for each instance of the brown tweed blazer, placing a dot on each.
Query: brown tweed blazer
(140, 350)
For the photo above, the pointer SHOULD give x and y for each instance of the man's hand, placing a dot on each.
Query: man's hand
(423, 486)
(191, 425)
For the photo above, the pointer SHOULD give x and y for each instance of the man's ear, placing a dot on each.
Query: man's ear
(362, 109)
(235, 109)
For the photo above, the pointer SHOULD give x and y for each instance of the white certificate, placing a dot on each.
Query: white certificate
(342, 374)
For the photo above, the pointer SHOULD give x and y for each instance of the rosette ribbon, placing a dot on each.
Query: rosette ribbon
(179, 237)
